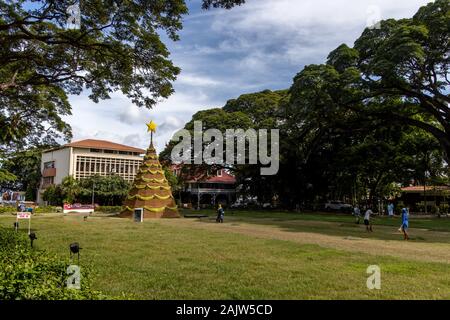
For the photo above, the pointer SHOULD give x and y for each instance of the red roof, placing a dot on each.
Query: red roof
(412, 189)
(103, 144)
(226, 177)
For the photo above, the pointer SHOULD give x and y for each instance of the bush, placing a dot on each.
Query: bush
(108, 209)
(29, 274)
(444, 209)
(8, 209)
(48, 209)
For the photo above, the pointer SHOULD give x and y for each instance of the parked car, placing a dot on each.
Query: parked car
(338, 206)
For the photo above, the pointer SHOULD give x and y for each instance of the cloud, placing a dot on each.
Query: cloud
(226, 53)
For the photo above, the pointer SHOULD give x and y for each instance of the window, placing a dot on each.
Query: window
(95, 150)
(47, 181)
(49, 164)
(219, 173)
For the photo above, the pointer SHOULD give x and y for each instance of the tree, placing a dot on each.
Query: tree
(117, 47)
(108, 191)
(26, 166)
(250, 111)
(54, 195)
(406, 59)
(70, 188)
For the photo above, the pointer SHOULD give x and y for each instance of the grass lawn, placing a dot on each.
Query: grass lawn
(253, 256)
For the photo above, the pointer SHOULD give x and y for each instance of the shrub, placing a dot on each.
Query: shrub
(444, 209)
(29, 274)
(8, 209)
(48, 209)
(108, 209)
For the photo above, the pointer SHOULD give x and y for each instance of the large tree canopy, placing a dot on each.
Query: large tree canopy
(404, 59)
(117, 47)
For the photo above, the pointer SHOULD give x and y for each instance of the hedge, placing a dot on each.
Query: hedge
(109, 209)
(29, 274)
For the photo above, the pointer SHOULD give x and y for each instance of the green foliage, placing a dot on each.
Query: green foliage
(171, 178)
(6, 176)
(117, 47)
(47, 209)
(54, 195)
(26, 166)
(108, 209)
(37, 275)
(108, 191)
(7, 209)
(70, 188)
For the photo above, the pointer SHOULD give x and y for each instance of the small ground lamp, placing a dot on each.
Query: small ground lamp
(16, 226)
(75, 250)
(32, 237)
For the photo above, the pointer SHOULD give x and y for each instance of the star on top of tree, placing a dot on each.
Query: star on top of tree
(151, 126)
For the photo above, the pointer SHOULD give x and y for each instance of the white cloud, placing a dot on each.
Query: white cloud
(225, 53)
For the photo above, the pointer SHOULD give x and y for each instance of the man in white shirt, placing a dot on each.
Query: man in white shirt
(367, 220)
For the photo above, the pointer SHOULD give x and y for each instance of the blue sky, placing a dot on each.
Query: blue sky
(225, 53)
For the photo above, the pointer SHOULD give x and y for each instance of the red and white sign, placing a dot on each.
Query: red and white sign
(78, 208)
(21, 215)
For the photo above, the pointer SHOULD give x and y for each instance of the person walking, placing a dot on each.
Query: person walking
(390, 209)
(367, 222)
(357, 214)
(220, 214)
(405, 223)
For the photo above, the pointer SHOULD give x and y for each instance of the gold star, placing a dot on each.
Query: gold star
(151, 126)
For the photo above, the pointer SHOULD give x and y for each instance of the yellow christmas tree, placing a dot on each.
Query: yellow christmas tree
(151, 190)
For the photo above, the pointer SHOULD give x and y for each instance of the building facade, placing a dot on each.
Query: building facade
(86, 158)
(211, 189)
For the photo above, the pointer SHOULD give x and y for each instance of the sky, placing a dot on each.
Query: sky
(225, 53)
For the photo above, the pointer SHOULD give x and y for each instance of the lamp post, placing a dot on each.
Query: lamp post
(93, 188)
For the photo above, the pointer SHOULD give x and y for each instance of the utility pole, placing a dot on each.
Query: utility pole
(93, 188)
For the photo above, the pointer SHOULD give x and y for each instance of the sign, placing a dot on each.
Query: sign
(22, 215)
(78, 208)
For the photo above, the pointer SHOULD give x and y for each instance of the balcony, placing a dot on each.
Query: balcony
(210, 191)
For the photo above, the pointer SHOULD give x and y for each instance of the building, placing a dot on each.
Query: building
(208, 190)
(86, 158)
(416, 197)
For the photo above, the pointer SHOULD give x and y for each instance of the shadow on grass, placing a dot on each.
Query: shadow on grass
(425, 230)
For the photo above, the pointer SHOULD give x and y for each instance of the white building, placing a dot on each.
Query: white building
(86, 158)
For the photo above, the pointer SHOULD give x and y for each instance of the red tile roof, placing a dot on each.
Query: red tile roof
(103, 144)
(214, 178)
(225, 178)
(412, 189)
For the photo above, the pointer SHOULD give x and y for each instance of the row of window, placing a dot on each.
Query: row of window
(114, 152)
(88, 166)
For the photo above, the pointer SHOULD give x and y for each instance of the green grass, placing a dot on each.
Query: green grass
(173, 260)
(435, 224)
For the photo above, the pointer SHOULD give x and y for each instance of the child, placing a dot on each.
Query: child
(220, 214)
(405, 223)
(367, 220)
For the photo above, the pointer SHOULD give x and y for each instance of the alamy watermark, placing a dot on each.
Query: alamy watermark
(74, 277)
(374, 280)
(242, 147)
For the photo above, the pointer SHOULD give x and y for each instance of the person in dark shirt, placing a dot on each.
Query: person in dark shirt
(220, 214)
